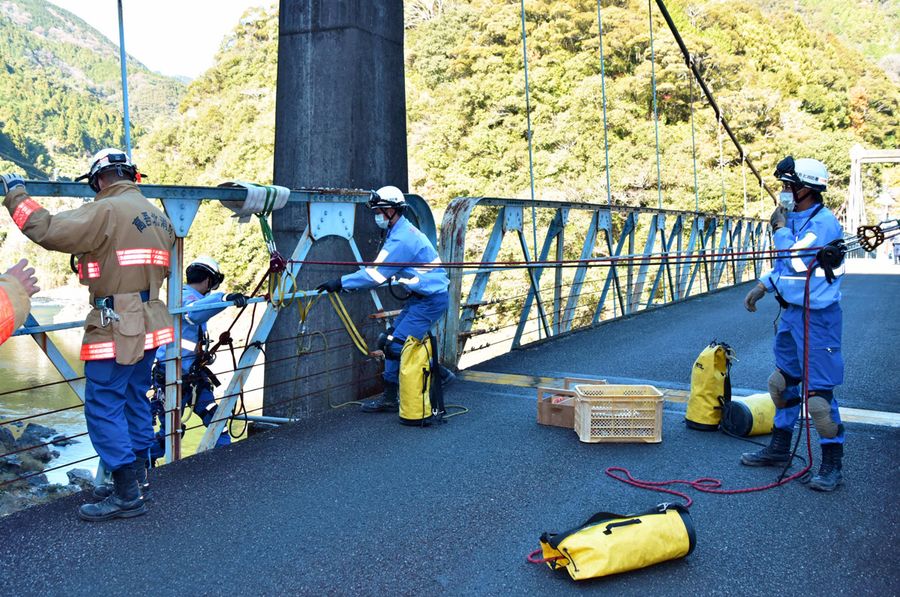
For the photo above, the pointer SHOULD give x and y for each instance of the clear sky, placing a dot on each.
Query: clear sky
(173, 37)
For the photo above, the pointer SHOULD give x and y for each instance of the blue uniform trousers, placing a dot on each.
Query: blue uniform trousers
(418, 316)
(116, 409)
(826, 365)
(204, 407)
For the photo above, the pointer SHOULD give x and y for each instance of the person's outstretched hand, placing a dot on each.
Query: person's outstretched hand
(25, 275)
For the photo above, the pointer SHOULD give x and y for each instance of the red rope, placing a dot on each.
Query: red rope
(713, 485)
(672, 257)
(535, 560)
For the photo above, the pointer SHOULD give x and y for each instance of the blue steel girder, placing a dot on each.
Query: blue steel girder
(612, 276)
(587, 251)
(479, 284)
(692, 266)
(535, 286)
(746, 244)
(663, 265)
(638, 292)
(554, 233)
(709, 240)
(720, 260)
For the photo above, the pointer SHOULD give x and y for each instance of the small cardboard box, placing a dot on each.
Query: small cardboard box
(556, 406)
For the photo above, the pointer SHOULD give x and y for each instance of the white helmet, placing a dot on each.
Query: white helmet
(108, 159)
(209, 268)
(803, 172)
(387, 198)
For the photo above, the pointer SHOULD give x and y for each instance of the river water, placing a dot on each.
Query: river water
(24, 365)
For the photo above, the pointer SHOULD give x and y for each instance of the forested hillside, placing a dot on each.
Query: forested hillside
(60, 101)
(789, 77)
(783, 87)
(60, 90)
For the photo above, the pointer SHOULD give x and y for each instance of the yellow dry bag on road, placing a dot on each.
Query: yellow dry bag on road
(612, 543)
(710, 387)
(421, 401)
(751, 415)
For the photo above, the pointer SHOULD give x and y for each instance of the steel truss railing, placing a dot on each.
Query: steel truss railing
(330, 212)
(680, 248)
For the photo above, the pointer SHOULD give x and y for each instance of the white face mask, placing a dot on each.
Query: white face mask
(786, 200)
(381, 221)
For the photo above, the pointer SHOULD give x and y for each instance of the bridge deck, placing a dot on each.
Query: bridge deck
(348, 503)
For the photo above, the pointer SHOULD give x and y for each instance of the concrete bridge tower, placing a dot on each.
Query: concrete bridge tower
(340, 122)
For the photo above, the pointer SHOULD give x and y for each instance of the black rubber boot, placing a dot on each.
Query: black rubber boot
(777, 453)
(385, 403)
(829, 476)
(124, 502)
(141, 466)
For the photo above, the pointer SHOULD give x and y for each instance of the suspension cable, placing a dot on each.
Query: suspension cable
(655, 109)
(693, 142)
(708, 93)
(528, 132)
(603, 95)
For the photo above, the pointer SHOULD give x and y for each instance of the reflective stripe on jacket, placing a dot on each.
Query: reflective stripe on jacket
(122, 242)
(811, 228)
(14, 306)
(404, 244)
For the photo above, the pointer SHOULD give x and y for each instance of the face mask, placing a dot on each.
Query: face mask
(381, 221)
(786, 199)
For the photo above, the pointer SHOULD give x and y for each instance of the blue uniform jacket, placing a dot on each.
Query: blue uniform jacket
(814, 227)
(404, 244)
(193, 324)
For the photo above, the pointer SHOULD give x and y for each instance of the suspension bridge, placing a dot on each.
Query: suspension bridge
(341, 502)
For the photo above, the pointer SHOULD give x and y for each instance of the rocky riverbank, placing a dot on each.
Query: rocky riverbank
(28, 450)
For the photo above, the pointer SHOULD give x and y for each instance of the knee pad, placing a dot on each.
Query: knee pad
(393, 348)
(820, 411)
(777, 386)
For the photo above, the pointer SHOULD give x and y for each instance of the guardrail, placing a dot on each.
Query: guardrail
(684, 254)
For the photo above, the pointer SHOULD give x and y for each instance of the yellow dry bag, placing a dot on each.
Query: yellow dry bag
(611, 543)
(751, 415)
(710, 387)
(420, 400)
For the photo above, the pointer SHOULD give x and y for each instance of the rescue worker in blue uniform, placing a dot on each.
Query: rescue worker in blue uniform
(202, 276)
(426, 282)
(802, 222)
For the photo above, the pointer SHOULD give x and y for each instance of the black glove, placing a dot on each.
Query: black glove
(240, 300)
(778, 219)
(330, 286)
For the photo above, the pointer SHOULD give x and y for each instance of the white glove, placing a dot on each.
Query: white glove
(11, 181)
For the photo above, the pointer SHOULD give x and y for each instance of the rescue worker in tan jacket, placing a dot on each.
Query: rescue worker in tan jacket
(122, 244)
(16, 286)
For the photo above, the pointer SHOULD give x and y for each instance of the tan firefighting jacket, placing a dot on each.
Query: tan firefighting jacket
(122, 242)
(14, 306)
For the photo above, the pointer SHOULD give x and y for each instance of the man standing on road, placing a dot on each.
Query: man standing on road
(17, 285)
(122, 244)
(426, 282)
(802, 222)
